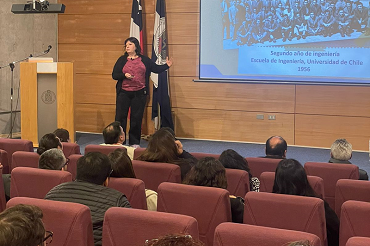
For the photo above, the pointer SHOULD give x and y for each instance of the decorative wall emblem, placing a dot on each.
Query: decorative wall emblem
(48, 97)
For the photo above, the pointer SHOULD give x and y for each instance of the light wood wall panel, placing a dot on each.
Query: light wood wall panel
(186, 93)
(323, 130)
(232, 125)
(188, 6)
(183, 28)
(95, 88)
(333, 100)
(186, 60)
(104, 7)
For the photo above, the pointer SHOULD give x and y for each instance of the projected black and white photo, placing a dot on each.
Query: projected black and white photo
(285, 40)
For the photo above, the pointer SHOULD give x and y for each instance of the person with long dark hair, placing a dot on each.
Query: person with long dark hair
(163, 147)
(132, 71)
(291, 179)
(210, 172)
(231, 159)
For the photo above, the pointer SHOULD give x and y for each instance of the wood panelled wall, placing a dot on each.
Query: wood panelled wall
(92, 32)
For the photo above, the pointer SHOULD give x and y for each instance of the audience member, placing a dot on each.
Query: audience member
(114, 135)
(231, 159)
(210, 172)
(90, 189)
(122, 168)
(341, 152)
(53, 159)
(276, 148)
(49, 141)
(22, 225)
(291, 179)
(62, 134)
(174, 240)
(299, 243)
(163, 147)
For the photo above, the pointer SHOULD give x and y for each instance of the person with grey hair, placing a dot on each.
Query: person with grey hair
(341, 153)
(53, 159)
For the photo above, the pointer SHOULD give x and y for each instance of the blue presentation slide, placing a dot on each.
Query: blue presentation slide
(289, 40)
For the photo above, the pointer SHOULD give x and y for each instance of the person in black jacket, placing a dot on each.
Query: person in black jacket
(90, 189)
(132, 71)
(291, 179)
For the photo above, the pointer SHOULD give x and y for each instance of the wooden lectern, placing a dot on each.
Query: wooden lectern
(47, 101)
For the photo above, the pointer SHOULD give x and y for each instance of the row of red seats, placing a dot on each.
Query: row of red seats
(208, 208)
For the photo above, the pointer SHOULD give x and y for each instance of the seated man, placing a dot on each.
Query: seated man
(276, 148)
(53, 159)
(22, 225)
(113, 135)
(63, 135)
(90, 189)
(341, 152)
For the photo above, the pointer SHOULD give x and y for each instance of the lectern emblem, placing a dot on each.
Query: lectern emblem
(48, 97)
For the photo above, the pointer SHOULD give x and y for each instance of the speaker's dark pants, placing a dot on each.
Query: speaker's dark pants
(136, 100)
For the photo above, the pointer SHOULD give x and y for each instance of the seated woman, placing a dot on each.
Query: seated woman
(122, 168)
(210, 172)
(291, 179)
(163, 147)
(49, 141)
(231, 159)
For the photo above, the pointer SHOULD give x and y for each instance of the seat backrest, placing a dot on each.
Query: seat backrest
(138, 152)
(208, 205)
(72, 165)
(34, 182)
(2, 192)
(231, 234)
(358, 241)
(70, 222)
(331, 173)
(348, 189)
(258, 165)
(4, 160)
(354, 221)
(237, 182)
(289, 212)
(103, 148)
(134, 189)
(25, 159)
(13, 145)
(198, 155)
(141, 225)
(155, 173)
(268, 178)
(71, 149)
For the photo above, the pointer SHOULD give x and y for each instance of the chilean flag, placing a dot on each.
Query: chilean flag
(161, 105)
(136, 27)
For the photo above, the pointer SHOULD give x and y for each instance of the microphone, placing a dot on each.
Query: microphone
(49, 48)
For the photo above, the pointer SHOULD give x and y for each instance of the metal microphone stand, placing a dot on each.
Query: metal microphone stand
(12, 66)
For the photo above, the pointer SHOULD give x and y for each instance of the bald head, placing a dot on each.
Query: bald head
(276, 146)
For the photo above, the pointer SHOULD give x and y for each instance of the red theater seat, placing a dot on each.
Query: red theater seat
(34, 182)
(259, 165)
(134, 189)
(25, 159)
(125, 226)
(11, 146)
(209, 206)
(268, 178)
(72, 165)
(331, 173)
(103, 148)
(138, 152)
(237, 182)
(70, 149)
(4, 158)
(233, 234)
(348, 189)
(289, 212)
(202, 155)
(70, 222)
(358, 241)
(354, 221)
(2, 192)
(155, 173)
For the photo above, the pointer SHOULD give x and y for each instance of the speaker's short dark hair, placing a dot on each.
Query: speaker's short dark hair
(21, 225)
(48, 141)
(112, 132)
(94, 168)
(62, 134)
(278, 149)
